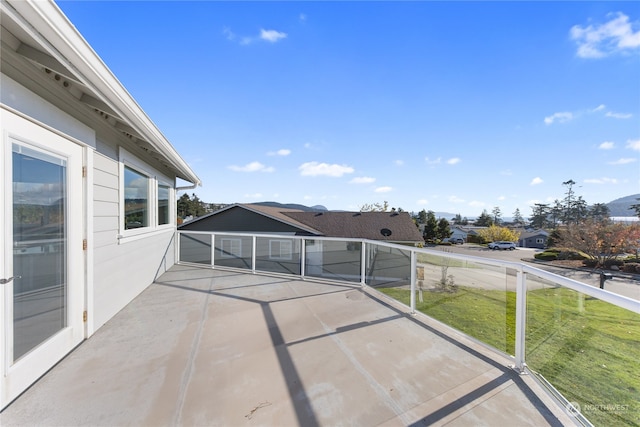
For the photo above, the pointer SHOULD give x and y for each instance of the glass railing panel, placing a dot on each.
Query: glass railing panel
(588, 349)
(278, 255)
(477, 299)
(195, 248)
(388, 266)
(333, 259)
(233, 251)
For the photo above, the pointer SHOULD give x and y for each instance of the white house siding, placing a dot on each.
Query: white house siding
(123, 267)
(122, 271)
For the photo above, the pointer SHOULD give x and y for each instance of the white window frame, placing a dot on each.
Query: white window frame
(126, 159)
(287, 244)
(232, 253)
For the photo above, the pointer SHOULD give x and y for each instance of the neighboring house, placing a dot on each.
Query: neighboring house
(88, 186)
(533, 239)
(396, 227)
(470, 233)
(458, 232)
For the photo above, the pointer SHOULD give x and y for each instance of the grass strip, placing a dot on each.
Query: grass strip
(589, 350)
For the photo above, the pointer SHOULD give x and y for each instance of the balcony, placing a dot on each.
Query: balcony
(290, 331)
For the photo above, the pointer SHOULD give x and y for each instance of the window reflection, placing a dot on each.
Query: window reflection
(163, 204)
(136, 199)
(39, 248)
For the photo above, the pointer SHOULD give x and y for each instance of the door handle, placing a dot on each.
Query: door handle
(5, 281)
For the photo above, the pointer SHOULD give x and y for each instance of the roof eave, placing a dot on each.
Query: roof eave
(57, 35)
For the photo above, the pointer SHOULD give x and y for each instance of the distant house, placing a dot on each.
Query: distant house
(396, 227)
(88, 185)
(533, 239)
(458, 232)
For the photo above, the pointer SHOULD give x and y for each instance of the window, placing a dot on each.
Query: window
(280, 249)
(147, 198)
(231, 248)
(136, 199)
(539, 240)
(163, 204)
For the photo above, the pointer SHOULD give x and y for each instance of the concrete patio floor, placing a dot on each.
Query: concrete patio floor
(205, 347)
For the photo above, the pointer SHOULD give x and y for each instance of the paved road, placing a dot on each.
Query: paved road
(620, 285)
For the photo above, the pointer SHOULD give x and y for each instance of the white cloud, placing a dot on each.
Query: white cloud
(618, 115)
(324, 169)
(502, 198)
(561, 117)
(633, 144)
(385, 189)
(281, 152)
(302, 17)
(272, 36)
(362, 180)
(476, 204)
(432, 162)
(535, 181)
(599, 108)
(600, 40)
(399, 162)
(453, 161)
(252, 167)
(601, 181)
(228, 33)
(607, 145)
(506, 172)
(455, 199)
(253, 196)
(623, 161)
(422, 202)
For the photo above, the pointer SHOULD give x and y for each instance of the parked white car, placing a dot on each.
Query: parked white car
(502, 245)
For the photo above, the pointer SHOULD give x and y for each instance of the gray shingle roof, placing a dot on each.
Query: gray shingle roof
(366, 225)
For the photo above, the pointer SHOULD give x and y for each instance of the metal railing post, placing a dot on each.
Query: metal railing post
(413, 282)
(177, 247)
(303, 256)
(254, 240)
(521, 319)
(363, 263)
(213, 250)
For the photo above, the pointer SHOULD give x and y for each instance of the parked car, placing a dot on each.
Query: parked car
(453, 240)
(502, 245)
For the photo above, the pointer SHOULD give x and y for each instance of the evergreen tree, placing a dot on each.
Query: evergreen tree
(636, 207)
(430, 232)
(517, 217)
(484, 220)
(422, 217)
(599, 212)
(443, 230)
(540, 215)
(497, 215)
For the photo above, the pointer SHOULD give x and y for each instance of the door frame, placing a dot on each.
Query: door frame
(17, 377)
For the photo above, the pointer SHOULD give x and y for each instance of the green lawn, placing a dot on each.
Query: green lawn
(588, 349)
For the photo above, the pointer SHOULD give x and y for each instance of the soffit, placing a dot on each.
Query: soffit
(41, 34)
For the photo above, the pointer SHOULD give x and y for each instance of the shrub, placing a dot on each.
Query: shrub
(590, 262)
(611, 262)
(546, 256)
(568, 254)
(631, 267)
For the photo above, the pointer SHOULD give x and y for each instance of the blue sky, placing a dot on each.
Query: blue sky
(443, 106)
